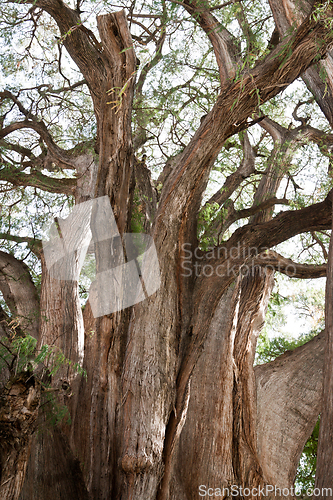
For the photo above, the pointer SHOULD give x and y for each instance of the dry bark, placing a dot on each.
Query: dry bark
(171, 380)
(19, 293)
(19, 404)
(288, 404)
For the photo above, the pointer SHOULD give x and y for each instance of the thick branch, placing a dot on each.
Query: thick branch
(284, 142)
(322, 139)
(219, 227)
(287, 14)
(289, 399)
(222, 41)
(241, 250)
(19, 293)
(23, 152)
(34, 244)
(59, 155)
(277, 262)
(38, 180)
(275, 130)
(247, 166)
(248, 212)
(285, 225)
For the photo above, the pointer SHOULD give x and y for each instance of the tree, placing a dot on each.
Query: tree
(171, 401)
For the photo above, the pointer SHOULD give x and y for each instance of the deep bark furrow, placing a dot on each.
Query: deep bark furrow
(255, 293)
(205, 443)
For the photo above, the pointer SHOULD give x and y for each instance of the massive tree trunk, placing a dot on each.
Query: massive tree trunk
(172, 401)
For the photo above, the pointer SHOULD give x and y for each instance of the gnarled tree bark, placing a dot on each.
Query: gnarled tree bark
(170, 381)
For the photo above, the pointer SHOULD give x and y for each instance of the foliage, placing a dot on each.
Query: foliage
(210, 212)
(293, 307)
(137, 220)
(177, 91)
(306, 471)
(55, 412)
(270, 349)
(19, 354)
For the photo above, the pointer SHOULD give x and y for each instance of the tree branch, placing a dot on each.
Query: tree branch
(289, 400)
(277, 262)
(19, 293)
(233, 181)
(287, 13)
(224, 44)
(246, 29)
(151, 64)
(221, 224)
(235, 215)
(109, 69)
(242, 98)
(284, 141)
(80, 43)
(34, 244)
(320, 243)
(323, 140)
(247, 212)
(38, 180)
(55, 153)
(275, 130)
(141, 136)
(245, 245)
(285, 225)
